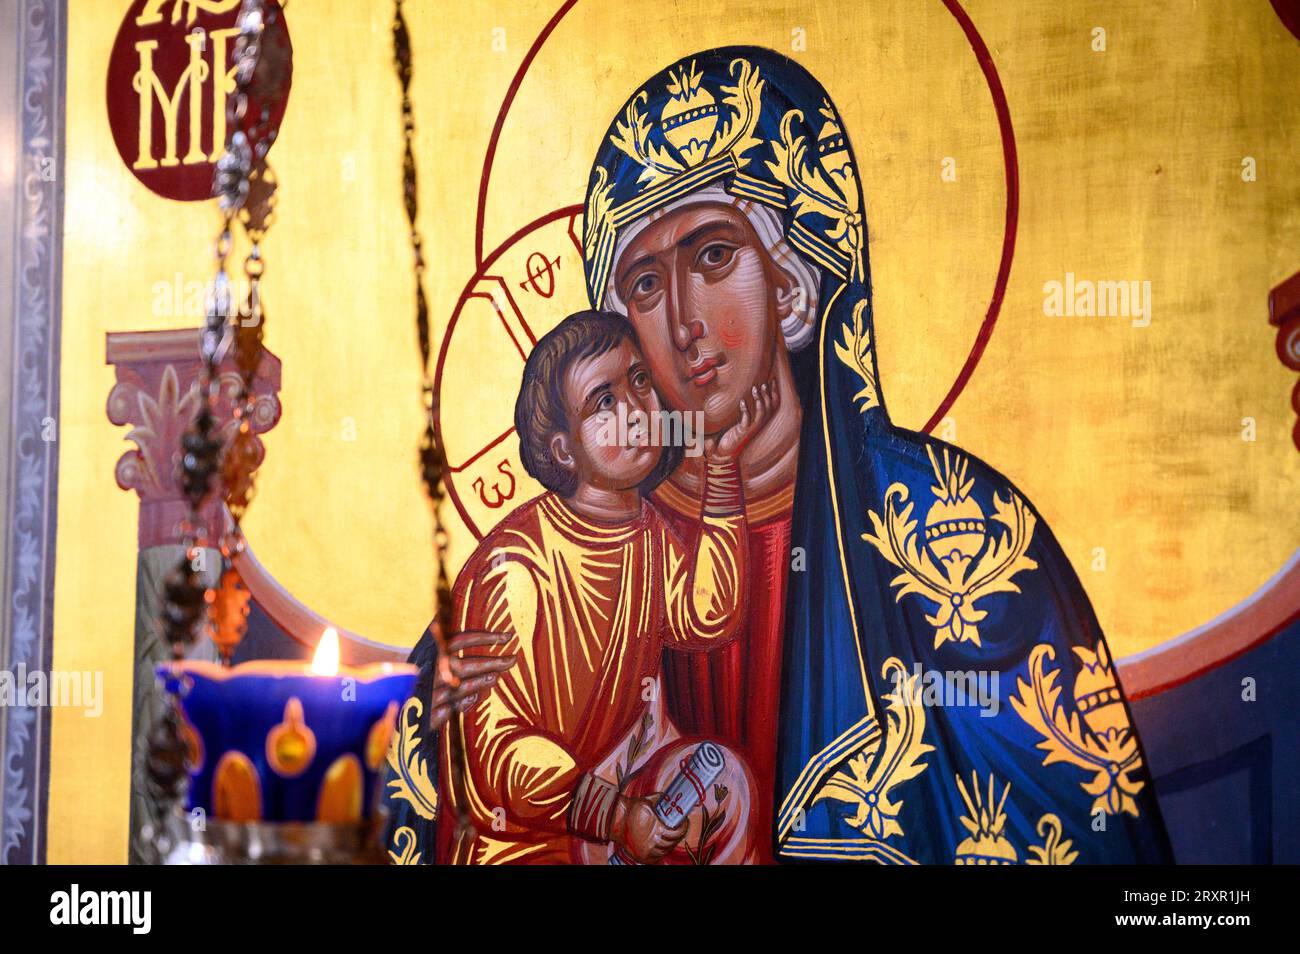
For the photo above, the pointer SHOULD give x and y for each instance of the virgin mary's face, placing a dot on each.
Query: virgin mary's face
(707, 302)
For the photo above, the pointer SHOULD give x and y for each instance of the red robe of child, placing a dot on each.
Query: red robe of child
(589, 609)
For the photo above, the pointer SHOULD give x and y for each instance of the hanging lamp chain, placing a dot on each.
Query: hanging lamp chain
(432, 455)
(245, 188)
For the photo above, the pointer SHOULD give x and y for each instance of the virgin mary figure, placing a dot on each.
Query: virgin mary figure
(920, 677)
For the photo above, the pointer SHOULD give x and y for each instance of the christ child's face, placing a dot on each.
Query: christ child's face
(600, 391)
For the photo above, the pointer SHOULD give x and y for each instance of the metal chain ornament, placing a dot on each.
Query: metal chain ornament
(433, 460)
(245, 187)
(246, 192)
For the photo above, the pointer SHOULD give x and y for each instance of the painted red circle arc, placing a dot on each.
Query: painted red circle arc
(1011, 171)
(567, 212)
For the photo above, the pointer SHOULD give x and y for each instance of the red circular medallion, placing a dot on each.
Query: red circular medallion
(170, 71)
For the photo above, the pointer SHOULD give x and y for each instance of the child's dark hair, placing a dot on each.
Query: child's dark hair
(540, 407)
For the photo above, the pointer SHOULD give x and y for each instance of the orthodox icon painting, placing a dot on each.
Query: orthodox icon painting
(864, 427)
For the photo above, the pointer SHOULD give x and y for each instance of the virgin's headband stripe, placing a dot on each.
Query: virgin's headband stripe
(758, 190)
(660, 195)
(819, 250)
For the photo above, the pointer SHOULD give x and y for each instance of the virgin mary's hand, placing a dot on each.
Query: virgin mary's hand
(458, 680)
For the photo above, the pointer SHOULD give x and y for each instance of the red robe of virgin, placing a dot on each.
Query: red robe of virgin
(732, 693)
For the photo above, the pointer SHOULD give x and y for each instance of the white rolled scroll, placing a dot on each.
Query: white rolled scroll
(685, 791)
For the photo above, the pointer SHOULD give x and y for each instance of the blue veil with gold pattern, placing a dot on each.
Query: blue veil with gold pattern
(947, 692)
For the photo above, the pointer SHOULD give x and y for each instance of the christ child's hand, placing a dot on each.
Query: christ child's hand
(755, 412)
(639, 832)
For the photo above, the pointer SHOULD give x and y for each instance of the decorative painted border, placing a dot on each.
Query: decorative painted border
(33, 464)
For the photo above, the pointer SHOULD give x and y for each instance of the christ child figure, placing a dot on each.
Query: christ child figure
(568, 753)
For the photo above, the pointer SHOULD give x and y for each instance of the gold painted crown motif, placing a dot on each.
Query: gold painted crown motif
(987, 845)
(1096, 695)
(1102, 742)
(693, 121)
(832, 146)
(708, 133)
(690, 117)
(954, 525)
(958, 562)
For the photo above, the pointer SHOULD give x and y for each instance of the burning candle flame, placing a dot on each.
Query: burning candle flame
(326, 660)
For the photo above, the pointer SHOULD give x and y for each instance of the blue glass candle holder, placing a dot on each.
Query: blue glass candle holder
(273, 741)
